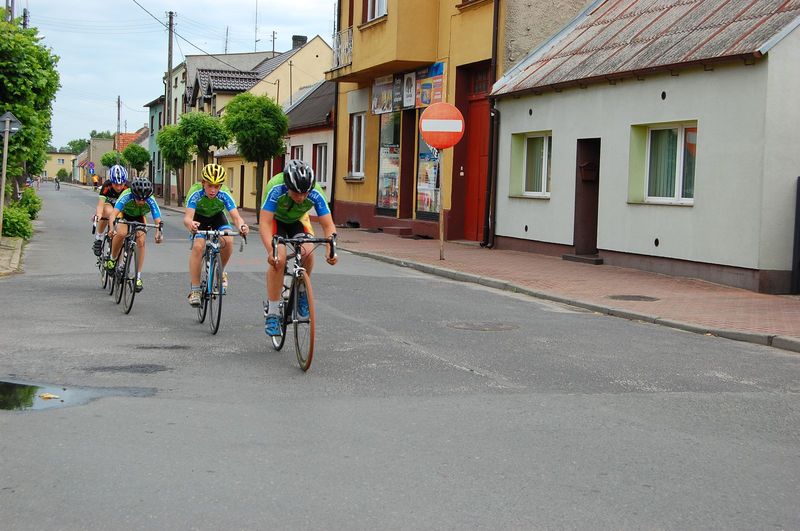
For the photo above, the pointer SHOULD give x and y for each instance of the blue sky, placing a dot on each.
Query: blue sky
(111, 48)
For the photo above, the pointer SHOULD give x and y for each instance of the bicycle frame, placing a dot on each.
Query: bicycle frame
(211, 274)
(213, 247)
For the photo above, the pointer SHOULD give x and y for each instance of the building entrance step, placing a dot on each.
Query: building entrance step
(592, 259)
(398, 231)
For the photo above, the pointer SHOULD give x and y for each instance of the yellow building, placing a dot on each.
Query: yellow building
(57, 161)
(392, 60)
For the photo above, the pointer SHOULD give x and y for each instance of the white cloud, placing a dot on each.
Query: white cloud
(111, 48)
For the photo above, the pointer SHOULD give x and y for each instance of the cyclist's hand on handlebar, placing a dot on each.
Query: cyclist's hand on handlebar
(273, 262)
(159, 236)
(244, 230)
(332, 261)
(193, 226)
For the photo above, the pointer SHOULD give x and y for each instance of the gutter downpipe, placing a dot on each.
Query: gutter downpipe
(332, 195)
(494, 128)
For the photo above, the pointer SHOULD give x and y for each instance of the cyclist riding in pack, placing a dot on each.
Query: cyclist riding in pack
(110, 191)
(206, 204)
(132, 205)
(284, 212)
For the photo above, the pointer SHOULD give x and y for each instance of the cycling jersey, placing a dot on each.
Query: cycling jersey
(206, 206)
(128, 206)
(285, 210)
(108, 193)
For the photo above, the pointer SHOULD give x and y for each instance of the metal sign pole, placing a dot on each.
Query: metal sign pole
(6, 129)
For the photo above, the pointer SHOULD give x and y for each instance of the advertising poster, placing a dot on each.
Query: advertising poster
(382, 94)
(409, 90)
(397, 93)
(430, 85)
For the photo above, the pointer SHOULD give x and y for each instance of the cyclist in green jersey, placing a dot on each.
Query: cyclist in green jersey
(206, 204)
(284, 212)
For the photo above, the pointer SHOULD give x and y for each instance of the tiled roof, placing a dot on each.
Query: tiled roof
(266, 67)
(622, 38)
(124, 139)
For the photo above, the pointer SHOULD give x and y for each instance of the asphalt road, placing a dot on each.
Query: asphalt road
(431, 404)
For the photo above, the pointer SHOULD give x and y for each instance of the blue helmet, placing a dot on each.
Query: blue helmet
(117, 174)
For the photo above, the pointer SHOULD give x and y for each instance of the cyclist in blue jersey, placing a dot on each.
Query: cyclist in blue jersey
(110, 191)
(284, 212)
(206, 204)
(132, 205)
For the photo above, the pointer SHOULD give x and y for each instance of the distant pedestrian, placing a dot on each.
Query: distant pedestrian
(95, 181)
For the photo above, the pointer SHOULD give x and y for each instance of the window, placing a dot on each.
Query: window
(160, 119)
(320, 163)
(671, 153)
(152, 118)
(375, 9)
(357, 122)
(297, 152)
(60, 161)
(537, 155)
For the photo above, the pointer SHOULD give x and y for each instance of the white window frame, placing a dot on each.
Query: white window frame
(358, 122)
(546, 165)
(321, 163)
(297, 152)
(677, 199)
(376, 9)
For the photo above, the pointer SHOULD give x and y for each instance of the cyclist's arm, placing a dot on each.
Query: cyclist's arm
(230, 206)
(99, 209)
(238, 221)
(329, 228)
(159, 236)
(188, 220)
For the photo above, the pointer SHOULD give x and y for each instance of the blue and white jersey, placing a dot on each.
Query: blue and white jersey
(286, 210)
(127, 205)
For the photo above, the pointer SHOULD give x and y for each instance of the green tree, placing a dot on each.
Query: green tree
(175, 150)
(110, 158)
(100, 134)
(28, 85)
(62, 174)
(77, 146)
(259, 126)
(137, 157)
(203, 131)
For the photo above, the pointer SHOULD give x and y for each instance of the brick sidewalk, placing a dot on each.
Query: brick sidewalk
(689, 304)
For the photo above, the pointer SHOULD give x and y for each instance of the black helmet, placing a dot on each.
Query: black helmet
(141, 188)
(298, 176)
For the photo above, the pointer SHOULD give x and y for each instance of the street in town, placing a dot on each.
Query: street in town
(431, 403)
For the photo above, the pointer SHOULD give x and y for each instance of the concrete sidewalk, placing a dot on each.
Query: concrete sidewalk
(688, 304)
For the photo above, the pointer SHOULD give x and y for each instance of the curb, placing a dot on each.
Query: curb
(14, 245)
(780, 342)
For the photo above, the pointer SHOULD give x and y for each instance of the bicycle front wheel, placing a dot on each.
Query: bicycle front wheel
(215, 295)
(304, 325)
(130, 276)
(105, 250)
(119, 272)
(203, 308)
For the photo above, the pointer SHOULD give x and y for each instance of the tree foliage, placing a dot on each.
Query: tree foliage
(110, 158)
(77, 146)
(28, 85)
(203, 131)
(137, 156)
(62, 174)
(174, 147)
(100, 134)
(259, 126)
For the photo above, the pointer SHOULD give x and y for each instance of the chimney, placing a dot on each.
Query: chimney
(298, 41)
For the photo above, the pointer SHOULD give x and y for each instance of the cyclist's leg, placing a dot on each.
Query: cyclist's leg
(116, 242)
(195, 259)
(308, 249)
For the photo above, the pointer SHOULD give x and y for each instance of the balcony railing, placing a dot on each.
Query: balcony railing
(343, 48)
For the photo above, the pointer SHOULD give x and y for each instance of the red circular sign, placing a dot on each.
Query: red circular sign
(441, 125)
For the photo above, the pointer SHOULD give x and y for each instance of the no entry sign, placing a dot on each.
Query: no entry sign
(441, 125)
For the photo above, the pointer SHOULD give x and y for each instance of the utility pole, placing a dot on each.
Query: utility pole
(274, 36)
(226, 38)
(255, 38)
(167, 184)
(25, 17)
(116, 140)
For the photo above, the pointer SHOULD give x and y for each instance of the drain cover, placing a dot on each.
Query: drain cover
(643, 298)
(483, 327)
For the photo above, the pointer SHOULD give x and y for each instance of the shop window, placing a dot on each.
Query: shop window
(357, 123)
(320, 163)
(389, 162)
(428, 185)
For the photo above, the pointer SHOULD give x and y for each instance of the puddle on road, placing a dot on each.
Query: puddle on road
(25, 396)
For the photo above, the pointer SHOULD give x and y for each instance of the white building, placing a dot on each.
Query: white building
(658, 135)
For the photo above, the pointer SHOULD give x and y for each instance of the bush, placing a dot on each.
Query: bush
(16, 222)
(30, 202)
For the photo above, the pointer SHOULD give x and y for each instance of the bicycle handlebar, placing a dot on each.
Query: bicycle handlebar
(138, 225)
(276, 240)
(95, 219)
(219, 233)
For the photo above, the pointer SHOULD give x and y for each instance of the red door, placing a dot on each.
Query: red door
(477, 133)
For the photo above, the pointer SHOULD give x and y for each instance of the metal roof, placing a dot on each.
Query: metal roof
(612, 39)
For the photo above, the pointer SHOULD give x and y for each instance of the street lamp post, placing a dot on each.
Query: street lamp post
(11, 126)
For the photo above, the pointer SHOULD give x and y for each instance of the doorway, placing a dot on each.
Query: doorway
(587, 192)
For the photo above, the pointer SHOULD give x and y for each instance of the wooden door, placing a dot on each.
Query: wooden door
(474, 174)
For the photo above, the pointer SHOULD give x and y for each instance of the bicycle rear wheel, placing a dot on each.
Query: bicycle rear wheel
(215, 296)
(129, 279)
(304, 327)
(203, 308)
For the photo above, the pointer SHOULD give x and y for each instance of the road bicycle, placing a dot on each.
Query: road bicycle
(211, 287)
(295, 277)
(127, 268)
(105, 254)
